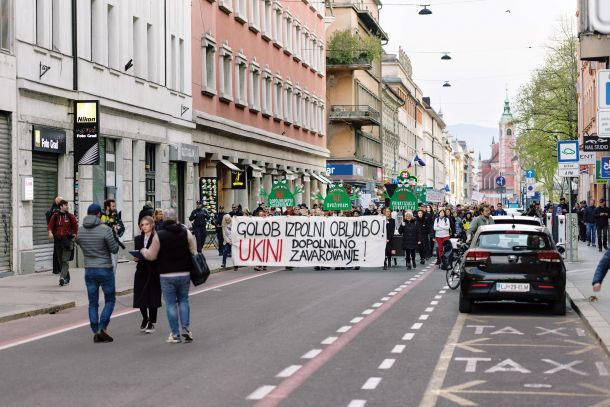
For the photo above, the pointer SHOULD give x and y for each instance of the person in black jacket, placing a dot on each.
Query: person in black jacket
(601, 224)
(147, 210)
(146, 282)
(589, 218)
(218, 225)
(430, 217)
(410, 238)
(423, 231)
(200, 218)
(390, 226)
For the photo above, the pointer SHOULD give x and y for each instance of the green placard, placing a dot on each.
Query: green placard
(280, 196)
(337, 199)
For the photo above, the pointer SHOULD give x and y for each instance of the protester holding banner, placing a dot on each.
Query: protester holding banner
(410, 238)
(390, 227)
(441, 229)
(226, 234)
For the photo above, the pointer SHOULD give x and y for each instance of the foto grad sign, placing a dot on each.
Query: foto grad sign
(86, 132)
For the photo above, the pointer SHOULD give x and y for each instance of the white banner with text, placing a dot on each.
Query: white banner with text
(301, 241)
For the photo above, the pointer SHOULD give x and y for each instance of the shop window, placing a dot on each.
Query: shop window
(104, 174)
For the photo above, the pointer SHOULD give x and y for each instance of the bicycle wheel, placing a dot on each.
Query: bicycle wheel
(453, 275)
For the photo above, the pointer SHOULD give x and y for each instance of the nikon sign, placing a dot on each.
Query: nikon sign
(86, 132)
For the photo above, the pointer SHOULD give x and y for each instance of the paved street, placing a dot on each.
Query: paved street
(311, 338)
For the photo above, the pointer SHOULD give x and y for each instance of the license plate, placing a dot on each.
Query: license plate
(513, 287)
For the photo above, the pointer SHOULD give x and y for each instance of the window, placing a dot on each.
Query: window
(56, 26)
(267, 93)
(240, 10)
(226, 73)
(181, 66)
(136, 43)
(104, 174)
(150, 171)
(296, 39)
(287, 102)
(322, 129)
(277, 97)
(41, 22)
(208, 68)
(226, 6)
(255, 15)
(113, 37)
(5, 28)
(314, 53)
(305, 47)
(305, 110)
(255, 86)
(151, 54)
(277, 23)
(287, 33)
(268, 15)
(296, 107)
(321, 58)
(509, 132)
(241, 85)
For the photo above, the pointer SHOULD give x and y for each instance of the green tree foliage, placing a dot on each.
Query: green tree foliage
(346, 48)
(546, 109)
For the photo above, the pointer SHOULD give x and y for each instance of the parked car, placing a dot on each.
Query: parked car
(516, 262)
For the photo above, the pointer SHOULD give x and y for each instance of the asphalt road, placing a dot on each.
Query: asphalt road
(311, 338)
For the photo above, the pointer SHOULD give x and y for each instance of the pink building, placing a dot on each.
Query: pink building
(259, 92)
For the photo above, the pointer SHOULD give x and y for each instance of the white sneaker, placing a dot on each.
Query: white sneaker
(173, 339)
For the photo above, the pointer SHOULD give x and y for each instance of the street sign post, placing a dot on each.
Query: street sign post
(603, 123)
(603, 89)
(586, 158)
(605, 167)
(568, 169)
(500, 181)
(529, 174)
(568, 156)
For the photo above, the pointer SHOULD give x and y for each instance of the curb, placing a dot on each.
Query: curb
(51, 309)
(45, 310)
(592, 319)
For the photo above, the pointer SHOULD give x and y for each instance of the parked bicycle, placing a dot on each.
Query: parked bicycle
(452, 274)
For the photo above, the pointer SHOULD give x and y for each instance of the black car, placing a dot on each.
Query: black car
(513, 262)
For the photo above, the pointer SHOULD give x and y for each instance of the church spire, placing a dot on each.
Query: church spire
(507, 116)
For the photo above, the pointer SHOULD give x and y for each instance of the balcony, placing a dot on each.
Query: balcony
(368, 148)
(362, 63)
(362, 115)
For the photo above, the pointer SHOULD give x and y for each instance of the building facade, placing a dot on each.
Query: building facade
(132, 59)
(390, 139)
(259, 96)
(354, 96)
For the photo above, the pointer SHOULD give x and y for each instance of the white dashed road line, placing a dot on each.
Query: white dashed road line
(311, 354)
(433, 302)
(344, 329)
(385, 298)
(377, 305)
(356, 320)
(438, 297)
(371, 383)
(329, 341)
(408, 336)
(398, 349)
(357, 403)
(417, 325)
(368, 311)
(387, 364)
(423, 317)
(260, 393)
(429, 309)
(289, 371)
(442, 292)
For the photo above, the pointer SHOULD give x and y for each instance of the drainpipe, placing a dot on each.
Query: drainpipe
(74, 48)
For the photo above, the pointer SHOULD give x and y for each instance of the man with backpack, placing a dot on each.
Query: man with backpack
(50, 212)
(62, 229)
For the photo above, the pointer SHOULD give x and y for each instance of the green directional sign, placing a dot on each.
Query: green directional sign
(598, 173)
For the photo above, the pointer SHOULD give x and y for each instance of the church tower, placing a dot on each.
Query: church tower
(507, 146)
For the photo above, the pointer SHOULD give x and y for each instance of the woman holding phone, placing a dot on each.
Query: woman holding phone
(146, 284)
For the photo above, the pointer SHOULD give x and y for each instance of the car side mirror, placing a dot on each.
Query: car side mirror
(561, 249)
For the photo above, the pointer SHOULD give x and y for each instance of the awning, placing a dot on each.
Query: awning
(288, 172)
(319, 178)
(229, 165)
(257, 172)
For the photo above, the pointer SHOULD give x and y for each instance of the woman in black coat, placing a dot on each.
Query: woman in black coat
(410, 238)
(146, 282)
(423, 233)
(390, 227)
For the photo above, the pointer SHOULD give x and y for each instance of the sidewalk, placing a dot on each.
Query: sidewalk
(40, 293)
(596, 314)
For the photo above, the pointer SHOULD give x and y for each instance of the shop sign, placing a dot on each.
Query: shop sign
(379, 174)
(27, 188)
(344, 169)
(594, 143)
(86, 132)
(48, 140)
(208, 195)
(238, 179)
(184, 152)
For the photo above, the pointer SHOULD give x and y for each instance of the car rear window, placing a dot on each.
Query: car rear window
(533, 222)
(513, 240)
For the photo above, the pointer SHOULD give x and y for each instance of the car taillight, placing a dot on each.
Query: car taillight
(480, 284)
(477, 255)
(546, 286)
(549, 256)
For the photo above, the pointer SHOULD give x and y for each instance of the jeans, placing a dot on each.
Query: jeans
(590, 231)
(225, 253)
(602, 236)
(176, 295)
(220, 238)
(63, 258)
(94, 279)
(199, 233)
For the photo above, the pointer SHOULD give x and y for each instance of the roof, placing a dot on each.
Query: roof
(507, 116)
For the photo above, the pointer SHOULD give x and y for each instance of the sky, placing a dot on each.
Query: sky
(489, 47)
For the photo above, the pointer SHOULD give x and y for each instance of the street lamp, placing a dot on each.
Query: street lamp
(425, 11)
(446, 57)
(446, 84)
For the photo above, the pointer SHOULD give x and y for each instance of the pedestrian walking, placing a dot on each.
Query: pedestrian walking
(200, 218)
(159, 222)
(482, 220)
(62, 229)
(111, 218)
(589, 218)
(410, 238)
(98, 243)
(390, 227)
(146, 281)
(423, 233)
(147, 210)
(499, 210)
(442, 228)
(218, 225)
(601, 224)
(172, 248)
(226, 234)
(582, 228)
(51, 212)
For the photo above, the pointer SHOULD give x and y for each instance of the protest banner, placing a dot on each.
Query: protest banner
(300, 241)
(433, 195)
